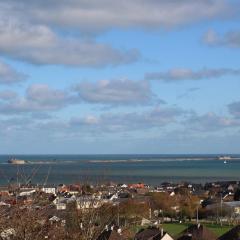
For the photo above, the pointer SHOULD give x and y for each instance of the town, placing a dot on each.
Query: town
(121, 211)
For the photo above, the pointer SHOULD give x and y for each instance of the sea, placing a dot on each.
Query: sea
(119, 168)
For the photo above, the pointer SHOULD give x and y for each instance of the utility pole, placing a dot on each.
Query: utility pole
(221, 210)
(197, 215)
(118, 216)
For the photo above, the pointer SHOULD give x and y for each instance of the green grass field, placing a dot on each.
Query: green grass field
(175, 228)
(217, 229)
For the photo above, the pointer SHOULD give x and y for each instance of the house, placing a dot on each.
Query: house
(142, 191)
(8, 234)
(62, 188)
(207, 203)
(232, 207)
(145, 222)
(3, 204)
(235, 206)
(88, 203)
(136, 185)
(4, 193)
(49, 190)
(110, 235)
(54, 219)
(61, 206)
(171, 194)
(231, 188)
(152, 233)
(233, 234)
(27, 193)
(74, 189)
(124, 195)
(57, 220)
(197, 232)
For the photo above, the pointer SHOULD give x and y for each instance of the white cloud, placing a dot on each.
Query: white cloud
(44, 95)
(43, 98)
(115, 92)
(234, 109)
(39, 98)
(95, 15)
(188, 74)
(229, 39)
(38, 44)
(8, 75)
(7, 95)
(210, 122)
(91, 124)
(131, 121)
(210, 37)
(35, 31)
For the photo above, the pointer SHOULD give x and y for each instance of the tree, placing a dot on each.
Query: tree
(131, 209)
(29, 223)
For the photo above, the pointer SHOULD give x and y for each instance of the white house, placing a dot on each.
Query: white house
(27, 193)
(166, 236)
(49, 190)
(88, 202)
(61, 206)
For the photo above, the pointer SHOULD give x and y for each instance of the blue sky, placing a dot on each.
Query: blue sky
(119, 77)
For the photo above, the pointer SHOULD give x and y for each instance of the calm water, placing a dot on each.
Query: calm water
(151, 169)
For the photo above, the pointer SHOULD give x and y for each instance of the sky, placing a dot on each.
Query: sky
(104, 76)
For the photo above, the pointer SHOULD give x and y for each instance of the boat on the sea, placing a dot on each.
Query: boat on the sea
(16, 161)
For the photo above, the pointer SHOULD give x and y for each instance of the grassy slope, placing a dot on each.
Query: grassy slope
(175, 228)
(217, 229)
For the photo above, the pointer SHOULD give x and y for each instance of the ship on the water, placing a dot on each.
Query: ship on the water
(16, 161)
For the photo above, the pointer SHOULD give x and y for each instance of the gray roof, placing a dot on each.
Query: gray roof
(232, 204)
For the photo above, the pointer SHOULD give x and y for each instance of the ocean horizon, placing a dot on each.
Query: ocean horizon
(120, 168)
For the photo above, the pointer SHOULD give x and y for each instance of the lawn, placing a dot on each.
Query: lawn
(175, 228)
(217, 229)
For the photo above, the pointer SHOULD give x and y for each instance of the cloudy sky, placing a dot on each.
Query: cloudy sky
(104, 76)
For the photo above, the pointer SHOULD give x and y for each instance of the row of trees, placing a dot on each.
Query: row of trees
(177, 206)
